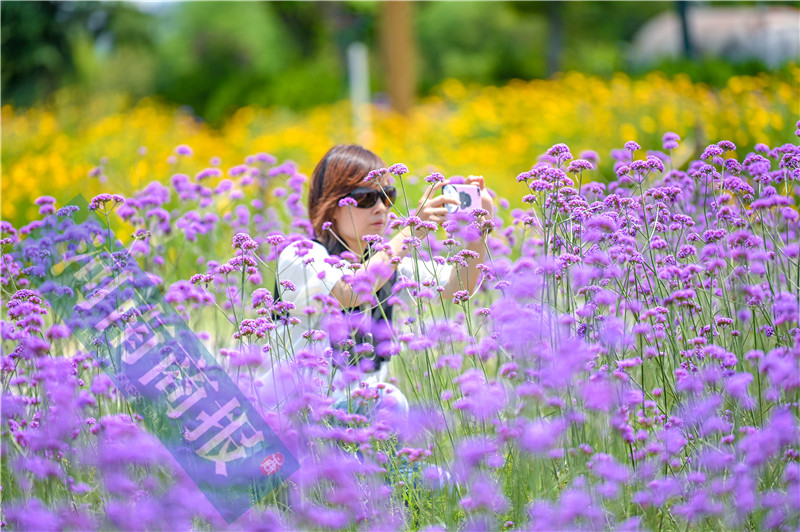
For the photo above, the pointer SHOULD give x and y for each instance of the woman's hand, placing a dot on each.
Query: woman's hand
(487, 202)
(431, 207)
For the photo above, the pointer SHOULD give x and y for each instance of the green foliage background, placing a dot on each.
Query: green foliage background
(216, 57)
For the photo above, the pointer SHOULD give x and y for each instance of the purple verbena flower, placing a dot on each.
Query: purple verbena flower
(460, 296)
(376, 174)
(398, 169)
(244, 242)
(579, 165)
(69, 210)
(560, 152)
(207, 173)
(632, 146)
(712, 151)
(184, 150)
(100, 201)
(590, 155)
(670, 140)
(44, 200)
(435, 177)
(261, 297)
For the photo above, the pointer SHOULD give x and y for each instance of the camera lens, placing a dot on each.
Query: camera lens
(466, 201)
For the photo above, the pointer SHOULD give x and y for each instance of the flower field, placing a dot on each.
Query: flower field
(630, 360)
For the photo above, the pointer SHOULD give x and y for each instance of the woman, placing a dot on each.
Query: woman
(343, 208)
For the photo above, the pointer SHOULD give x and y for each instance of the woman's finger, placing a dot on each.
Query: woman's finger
(440, 184)
(436, 215)
(432, 188)
(438, 201)
(441, 211)
(477, 180)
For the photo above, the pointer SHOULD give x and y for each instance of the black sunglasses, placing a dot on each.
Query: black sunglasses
(368, 197)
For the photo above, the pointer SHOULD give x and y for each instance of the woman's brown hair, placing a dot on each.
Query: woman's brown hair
(338, 173)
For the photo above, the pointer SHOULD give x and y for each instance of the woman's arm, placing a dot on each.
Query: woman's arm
(380, 267)
(377, 270)
(466, 278)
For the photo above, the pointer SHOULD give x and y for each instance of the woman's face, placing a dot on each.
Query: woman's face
(351, 223)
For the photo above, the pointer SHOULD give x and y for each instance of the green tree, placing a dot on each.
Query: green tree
(35, 50)
(217, 56)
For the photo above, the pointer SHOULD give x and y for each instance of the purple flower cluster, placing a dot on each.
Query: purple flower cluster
(376, 174)
(398, 169)
(99, 202)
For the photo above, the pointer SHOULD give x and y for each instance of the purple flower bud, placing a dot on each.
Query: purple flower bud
(670, 140)
(44, 200)
(460, 296)
(590, 155)
(524, 176)
(239, 169)
(539, 436)
(100, 201)
(184, 150)
(208, 172)
(347, 202)
(579, 165)
(621, 155)
(654, 163)
(435, 177)
(560, 152)
(711, 151)
(398, 169)
(376, 174)
(243, 241)
(288, 285)
(629, 362)
(632, 146)
(266, 158)
(261, 297)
